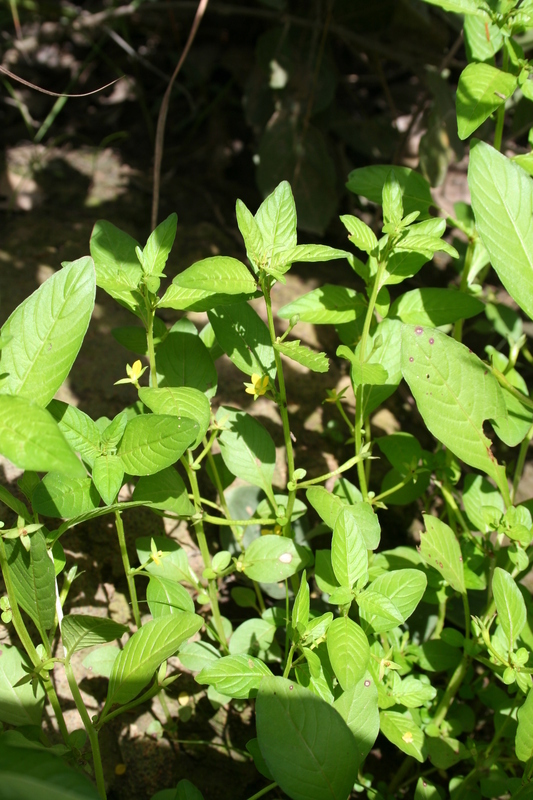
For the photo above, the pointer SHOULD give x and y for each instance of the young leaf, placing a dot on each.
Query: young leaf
(47, 330)
(118, 271)
(166, 597)
(524, 731)
(483, 504)
(78, 429)
(369, 182)
(328, 305)
(251, 234)
(361, 235)
(454, 393)
(510, 605)
(57, 495)
(108, 476)
(359, 709)
(305, 253)
(159, 245)
(434, 307)
(276, 220)
(349, 557)
(245, 339)
(180, 401)
(502, 198)
(403, 732)
(425, 790)
(317, 362)
(403, 588)
(18, 704)
(173, 565)
(306, 744)
(254, 637)
(441, 550)
(218, 275)
(81, 630)
(270, 559)
(300, 609)
(348, 651)
(480, 91)
(152, 644)
(237, 676)
(33, 576)
(184, 360)
(164, 490)
(152, 442)
(247, 448)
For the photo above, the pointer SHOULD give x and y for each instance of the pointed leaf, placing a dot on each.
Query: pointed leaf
(245, 339)
(441, 550)
(524, 731)
(276, 220)
(306, 253)
(218, 275)
(166, 597)
(435, 307)
(237, 676)
(81, 630)
(404, 588)
(510, 604)
(184, 360)
(361, 235)
(270, 559)
(481, 90)
(328, 305)
(247, 448)
(18, 704)
(317, 362)
(118, 271)
(108, 476)
(152, 442)
(78, 429)
(58, 495)
(159, 245)
(33, 577)
(164, 490)
(349, 557)
(180, 401)
(251, 234)
(403, 732)
(348, 651)
(369, 182)
(359, 709)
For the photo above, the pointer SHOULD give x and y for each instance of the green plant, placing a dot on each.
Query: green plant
(344, 641)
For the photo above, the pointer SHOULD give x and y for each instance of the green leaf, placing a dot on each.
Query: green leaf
(361, 235)
(58, 495)
(186, 791)
(425, 790)
(218, 275)
(183, 299)
(480, 91)
(108, 477)
(33, 576)
(159, 245)
(306, 253)
(180, 401)
(329, 506)
(237, 676)
(510, 605)
(467, 7)
(306, 744)
(483, 39)
(369, 182)
(300, 609)
(173, 565)
(483, 504)
(152, 442)
(410, 692)
(348, 651)
(251, 234)
(47, 330)
(184, 360)
(133, 337)
(270, 559)
(435, 307)
(166, 597)
(524, 731)
(359, 709)
(385, 346)
(317, 362)
(164, 490)
(152, 644)
(502, 198)
(441, 550)
(118, 271)
(276, 220)
(81, 630)
(454, 393)
(254, 637)
(327, 305)
(403, 588)
(18, 704)
(369, 373)
(247, 448)
(78, 429)
(197, 655)
(403, 732)
(100, 661)
(31, 439)
(349, 557)
(245, 339)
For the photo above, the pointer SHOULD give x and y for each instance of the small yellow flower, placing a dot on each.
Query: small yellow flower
(407, 737)
(134, 373)
(258, 386)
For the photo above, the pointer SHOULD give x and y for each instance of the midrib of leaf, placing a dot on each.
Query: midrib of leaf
(312, 754)
(511, 218)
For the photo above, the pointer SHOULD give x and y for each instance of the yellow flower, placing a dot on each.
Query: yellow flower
(134, 373)
(407, 737)
(258, 386)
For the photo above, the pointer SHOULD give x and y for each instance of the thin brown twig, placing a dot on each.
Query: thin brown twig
(163, 111)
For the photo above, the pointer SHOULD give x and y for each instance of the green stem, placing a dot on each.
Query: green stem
(288, 665)
(407, 480)
(91, 732)
(232, 522)
(503, 381)
(321, 478)
(151, 692)
(451, 690)
(345, 417)
(208, 444)
(151, 348)
(458, 327)
(441, 619)
(397, 780)
(520, 463)
(466, 607)
(264, 791)
(130, 574)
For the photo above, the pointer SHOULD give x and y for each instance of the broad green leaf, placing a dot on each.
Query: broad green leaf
(152, 644)
(270, 559)
(369, 182)
(327, 305)
(276, 220)
(152, 442)
(300, 609)
(379, 608)
(441, 550)
(483, 39)
(480, 91)
(164, 490)
(173, 565)
(309, 750)
(218, 275)
(237, 676)
(401, 450)
(159, 245)
(316, 674)
(81, 630)
(251, 234)
(329, 506)
(317, 362)
(184, 360)
(254, 637)
(101, 660)
(108, 476)
(510, 605)
(118, 271)
(18, 704)
(31, 439)
(349, 557)
(455, 393)
(113, 433)
(305, 253)
(182, 299)
(366, 373)
(47, 330)
(197, 655)
(403, 732)
(359, 709)
(247, 448)
(33, 576)
(57, 495)
(404, 588)
(524, 731)
(260, 764)
(435, 307)
(385, 345)
(78, 429)
(324, 575)
(410, 692)
(361, 235)
(466, 7)
(166, 597)
(133, 337)
(513, 427)
(245, 339)
(425, 790)
(483, 504)
(348, 651)
(502, 201)
(180, 401)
